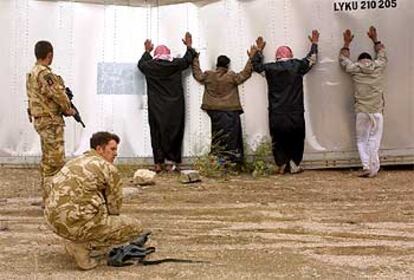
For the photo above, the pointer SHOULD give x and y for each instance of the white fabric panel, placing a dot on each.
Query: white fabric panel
(85, 35)
(139, 3)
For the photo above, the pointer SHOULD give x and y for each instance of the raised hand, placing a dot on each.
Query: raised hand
(149, 46)
(372, 34)
(260, 43)
(188, 39)
(69, 112)
(314, 37)
(253, 50)
(348, 37)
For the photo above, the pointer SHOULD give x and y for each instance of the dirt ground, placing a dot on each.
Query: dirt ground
(326, 224)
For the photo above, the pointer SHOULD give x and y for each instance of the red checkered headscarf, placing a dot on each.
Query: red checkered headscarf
(162, 52)
(283, 52)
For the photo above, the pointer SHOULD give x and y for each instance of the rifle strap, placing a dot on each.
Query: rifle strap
(135, 253)
(174, 260)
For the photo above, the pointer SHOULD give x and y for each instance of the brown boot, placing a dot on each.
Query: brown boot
(81, 253)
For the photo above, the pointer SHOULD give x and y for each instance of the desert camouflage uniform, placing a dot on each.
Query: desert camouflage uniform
(84, 203)
(47, 102)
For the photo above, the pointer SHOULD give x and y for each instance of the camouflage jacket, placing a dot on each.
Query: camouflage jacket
(46, 93)
(85, 191)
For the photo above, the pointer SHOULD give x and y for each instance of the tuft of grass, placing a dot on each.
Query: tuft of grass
(211, 165)
(259, 161)
(260, 164)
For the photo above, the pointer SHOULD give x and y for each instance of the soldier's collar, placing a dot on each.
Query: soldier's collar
(92, 152)
(46, 66)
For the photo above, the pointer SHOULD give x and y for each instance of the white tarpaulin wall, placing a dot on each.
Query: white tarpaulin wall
(97, 48)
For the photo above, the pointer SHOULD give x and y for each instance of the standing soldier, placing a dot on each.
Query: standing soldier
(47, 105)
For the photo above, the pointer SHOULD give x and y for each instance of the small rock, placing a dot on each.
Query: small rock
(128, 192)
(144, 177)
(189, 176)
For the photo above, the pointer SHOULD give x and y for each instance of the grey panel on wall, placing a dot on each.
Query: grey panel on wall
(120, 78)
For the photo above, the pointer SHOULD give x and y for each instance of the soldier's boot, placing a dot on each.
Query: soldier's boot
(81, 253)
(99, 254)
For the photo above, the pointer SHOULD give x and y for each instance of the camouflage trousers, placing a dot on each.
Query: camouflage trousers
(100, 234)
(117, 230)
(53, 150)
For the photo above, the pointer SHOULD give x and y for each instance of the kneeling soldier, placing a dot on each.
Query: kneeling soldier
(84, 202)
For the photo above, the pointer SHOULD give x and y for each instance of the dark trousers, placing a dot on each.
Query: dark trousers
(166, 139)
(288, 137)
(226, 135)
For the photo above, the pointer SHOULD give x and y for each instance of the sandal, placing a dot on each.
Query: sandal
(157, 168)
(173, 168)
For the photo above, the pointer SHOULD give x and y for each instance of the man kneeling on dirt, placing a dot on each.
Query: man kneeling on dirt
(84, 203)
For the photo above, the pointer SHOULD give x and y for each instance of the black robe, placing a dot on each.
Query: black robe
(286, 108)
(165, 104)
(226, 135)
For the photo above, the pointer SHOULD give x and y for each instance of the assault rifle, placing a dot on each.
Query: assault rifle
(76, 116)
